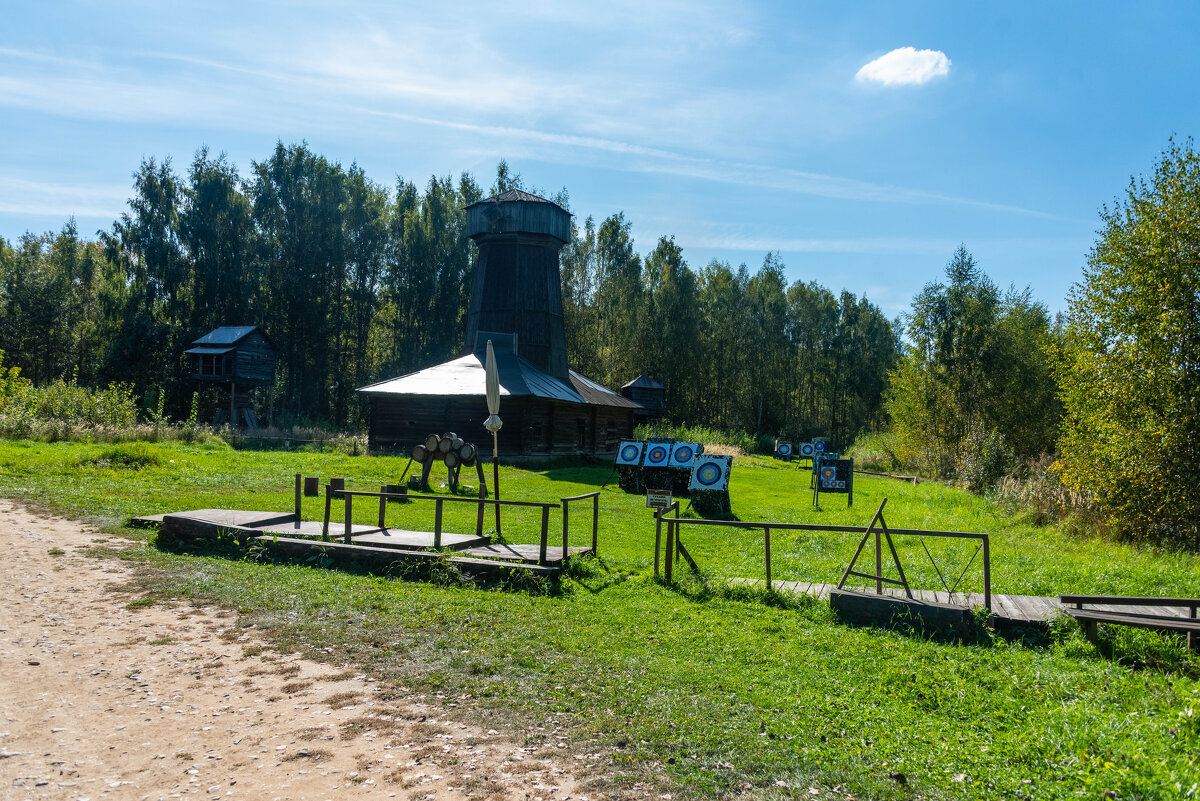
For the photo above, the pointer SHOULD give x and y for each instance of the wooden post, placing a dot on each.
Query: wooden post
(566, 530)
(987, 574)
(298, 480)
(878, 564)
(479, 518)
(312, 486)
(670, 549)
(545, 534)
(595, 524)
(658, 513)
(437, 523)
(349, 516)
(325, 526)
(767, 546)
(382, 504)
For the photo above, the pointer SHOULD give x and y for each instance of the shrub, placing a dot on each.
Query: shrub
(737, 440)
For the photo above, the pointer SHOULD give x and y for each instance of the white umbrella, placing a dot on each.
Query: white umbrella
(493, 423)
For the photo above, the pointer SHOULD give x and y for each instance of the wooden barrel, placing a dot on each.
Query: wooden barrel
(419, 453)
(431, 442)
(445, 444)
(466, 452)
(456, 444)
(451, 459)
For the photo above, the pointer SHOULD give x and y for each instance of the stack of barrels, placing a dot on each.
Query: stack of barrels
(448, 448)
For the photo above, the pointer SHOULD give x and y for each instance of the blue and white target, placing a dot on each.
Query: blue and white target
(629, 453)
(656, 455)
(682, 455)
(807, 449)
(710, 473)
(820, 446)
(785, 449)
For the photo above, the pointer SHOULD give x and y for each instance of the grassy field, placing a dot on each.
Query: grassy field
(708, 690)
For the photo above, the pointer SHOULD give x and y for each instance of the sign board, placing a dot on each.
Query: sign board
(658, 499)
(710, 472)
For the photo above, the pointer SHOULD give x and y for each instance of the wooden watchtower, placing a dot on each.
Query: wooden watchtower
(241, 357)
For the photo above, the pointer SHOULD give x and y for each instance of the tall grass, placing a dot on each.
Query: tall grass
(741, 442)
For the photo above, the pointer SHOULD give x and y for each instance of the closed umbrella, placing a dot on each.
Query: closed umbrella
(493, 423)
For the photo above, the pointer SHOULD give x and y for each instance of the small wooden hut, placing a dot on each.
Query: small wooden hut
(649, 394)
(543, 415)
(241, 357)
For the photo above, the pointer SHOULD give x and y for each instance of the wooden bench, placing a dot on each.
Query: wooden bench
(1139, 611)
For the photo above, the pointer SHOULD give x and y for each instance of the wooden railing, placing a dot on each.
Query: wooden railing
(673, 545)
(566, 511)
(439, 501)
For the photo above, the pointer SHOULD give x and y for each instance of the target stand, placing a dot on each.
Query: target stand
(834, 475)
(709, 485)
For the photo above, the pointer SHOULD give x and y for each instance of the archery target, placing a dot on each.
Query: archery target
(784, 450)
(819, 446)
(682, 455)
(828, 473)
(710, 473)
(629, 453)
(807, 449)
(657, 454)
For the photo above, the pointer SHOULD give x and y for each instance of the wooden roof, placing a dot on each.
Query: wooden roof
(229, 335)
(643, 382)
(465, 376)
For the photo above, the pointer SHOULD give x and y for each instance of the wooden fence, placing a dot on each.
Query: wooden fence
(877, 527)
(439, 504)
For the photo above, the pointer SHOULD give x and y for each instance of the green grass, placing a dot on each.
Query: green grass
(711, 690)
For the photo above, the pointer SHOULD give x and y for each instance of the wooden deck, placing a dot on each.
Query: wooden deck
(421, 540)
(524, 553)
(1015, 608)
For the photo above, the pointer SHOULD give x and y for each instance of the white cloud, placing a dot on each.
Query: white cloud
(905, 66)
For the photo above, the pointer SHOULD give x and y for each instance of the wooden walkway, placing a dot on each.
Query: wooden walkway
(524, 553)
(1015, 608)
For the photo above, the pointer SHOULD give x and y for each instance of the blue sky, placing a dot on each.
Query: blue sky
(861, 143)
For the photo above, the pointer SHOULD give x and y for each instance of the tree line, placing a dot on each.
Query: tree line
(356, 282)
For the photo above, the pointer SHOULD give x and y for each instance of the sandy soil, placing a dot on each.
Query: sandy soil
(99, 700)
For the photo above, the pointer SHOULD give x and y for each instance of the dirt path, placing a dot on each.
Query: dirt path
(98, 700)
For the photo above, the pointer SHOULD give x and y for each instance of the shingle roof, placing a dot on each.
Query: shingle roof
(514, 195)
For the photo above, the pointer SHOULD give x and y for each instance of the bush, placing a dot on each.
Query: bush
(983, 458)
(876, 451)
(737, 440)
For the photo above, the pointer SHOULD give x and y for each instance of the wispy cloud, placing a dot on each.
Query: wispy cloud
(30, 197)
(905, 66)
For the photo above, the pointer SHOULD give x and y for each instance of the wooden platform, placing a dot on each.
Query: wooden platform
(524, 553)
(224, 517)
(1014, 608)
(417, 540)
(382, 558)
